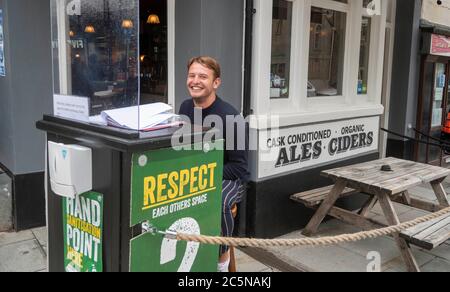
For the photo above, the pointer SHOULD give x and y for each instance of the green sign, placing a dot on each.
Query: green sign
(179, 191)
(83, 233)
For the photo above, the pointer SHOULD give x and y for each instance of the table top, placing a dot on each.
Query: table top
(369, 178)
(106, 93)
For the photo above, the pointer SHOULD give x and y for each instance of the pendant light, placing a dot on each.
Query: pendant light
(153, 19)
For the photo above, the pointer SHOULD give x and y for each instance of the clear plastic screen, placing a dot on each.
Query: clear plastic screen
(96, 60)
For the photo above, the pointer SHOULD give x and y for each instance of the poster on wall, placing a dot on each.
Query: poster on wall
(2, 50)
(440, 46)
(297, 148)
(83, 233)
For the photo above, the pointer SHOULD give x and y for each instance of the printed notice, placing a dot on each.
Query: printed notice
(71, 107)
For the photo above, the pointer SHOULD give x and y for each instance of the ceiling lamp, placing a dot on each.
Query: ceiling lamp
(71, 34)
(153, 19)
(89, 29)
(127, 23)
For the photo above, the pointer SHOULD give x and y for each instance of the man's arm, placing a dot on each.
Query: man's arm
(236, 167)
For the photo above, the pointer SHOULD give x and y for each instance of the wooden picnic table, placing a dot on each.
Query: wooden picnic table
(386, 187)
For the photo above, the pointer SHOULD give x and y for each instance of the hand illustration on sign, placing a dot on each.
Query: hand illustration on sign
(169, 246)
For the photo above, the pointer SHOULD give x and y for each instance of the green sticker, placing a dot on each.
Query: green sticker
(83, 233)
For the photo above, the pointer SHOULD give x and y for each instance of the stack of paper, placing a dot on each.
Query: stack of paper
(142, 118)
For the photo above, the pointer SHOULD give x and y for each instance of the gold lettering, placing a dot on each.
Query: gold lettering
(173, 192)
(211, 168)
(184, 180)
(202, 183)
(149, 191)
(161, 187)
(175, 185)
(194, 179)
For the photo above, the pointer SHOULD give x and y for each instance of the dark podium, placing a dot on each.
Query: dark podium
(128, 201)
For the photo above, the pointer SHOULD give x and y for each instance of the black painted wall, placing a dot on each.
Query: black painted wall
(405, 76)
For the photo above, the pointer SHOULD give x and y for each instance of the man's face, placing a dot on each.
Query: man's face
(201, 81)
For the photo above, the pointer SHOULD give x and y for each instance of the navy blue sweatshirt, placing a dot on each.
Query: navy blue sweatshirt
(235, 161)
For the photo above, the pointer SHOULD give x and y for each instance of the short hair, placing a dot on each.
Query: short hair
(208, 62)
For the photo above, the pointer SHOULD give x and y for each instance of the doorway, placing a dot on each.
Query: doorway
(434, 105)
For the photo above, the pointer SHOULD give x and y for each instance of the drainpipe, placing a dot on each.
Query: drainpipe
(248, 43)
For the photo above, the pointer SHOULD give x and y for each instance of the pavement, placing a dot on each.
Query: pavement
(24, 251)
(27, 251)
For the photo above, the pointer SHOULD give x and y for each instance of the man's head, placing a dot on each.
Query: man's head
(203, 78)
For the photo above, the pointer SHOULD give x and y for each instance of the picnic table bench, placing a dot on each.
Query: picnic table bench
(315, 197)
(429, 235)
(385, 181)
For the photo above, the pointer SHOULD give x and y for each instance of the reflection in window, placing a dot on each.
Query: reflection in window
(363, 73)
(103, 54)
(281, 49)
(439, 87)
(326, 52)
(153, 52)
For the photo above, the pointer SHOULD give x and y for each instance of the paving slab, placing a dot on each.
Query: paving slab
(328, 259)
(442, 251)
(351, 257)
(399, 208)
(25, 256)
(423, 192)
(6, 223)
(412, 215)
(398, 265)
(245, 263)
(385, 246)
(335, 227)
(436, 265)
(41, 235)
(381, 219)
(7, 238)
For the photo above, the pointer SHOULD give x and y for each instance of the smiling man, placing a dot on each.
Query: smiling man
(204, 79)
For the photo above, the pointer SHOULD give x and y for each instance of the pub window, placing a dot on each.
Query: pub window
(316, 55)
(281, 49)
(326, 52)
(364, 55)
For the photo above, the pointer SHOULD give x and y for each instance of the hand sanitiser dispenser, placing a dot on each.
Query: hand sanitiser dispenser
(70, 169)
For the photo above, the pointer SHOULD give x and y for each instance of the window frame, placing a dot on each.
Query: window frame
(298, 107)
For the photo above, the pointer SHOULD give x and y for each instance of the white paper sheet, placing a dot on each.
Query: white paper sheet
(139, 117)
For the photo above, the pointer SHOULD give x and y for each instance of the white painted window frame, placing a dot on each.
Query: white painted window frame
(298, 108)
